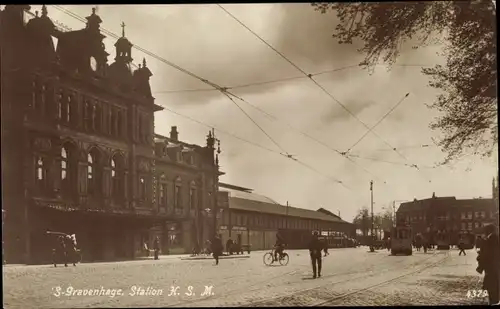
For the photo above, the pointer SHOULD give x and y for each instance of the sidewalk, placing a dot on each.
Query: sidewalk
(222, 257)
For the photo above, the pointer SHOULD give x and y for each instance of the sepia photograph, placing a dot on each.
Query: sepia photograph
(249, 154)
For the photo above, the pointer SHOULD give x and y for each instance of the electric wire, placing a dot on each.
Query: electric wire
(315, 82)
(221, 89)
(378, 122)
(217, 87)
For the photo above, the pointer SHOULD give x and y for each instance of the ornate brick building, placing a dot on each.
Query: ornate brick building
(78, 146)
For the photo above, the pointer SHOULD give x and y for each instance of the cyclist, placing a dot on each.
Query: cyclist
(279, 247)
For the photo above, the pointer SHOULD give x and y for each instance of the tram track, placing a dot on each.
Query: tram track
(272, 301)
(367, 272)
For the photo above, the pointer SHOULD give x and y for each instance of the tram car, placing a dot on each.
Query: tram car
(443, 241)
(401, 240)
(466, 240)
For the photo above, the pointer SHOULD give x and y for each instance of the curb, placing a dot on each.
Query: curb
(220, 258)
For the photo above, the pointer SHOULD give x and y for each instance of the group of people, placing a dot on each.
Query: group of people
(65, 250)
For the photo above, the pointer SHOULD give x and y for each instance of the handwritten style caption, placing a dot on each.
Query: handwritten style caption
(133, 291)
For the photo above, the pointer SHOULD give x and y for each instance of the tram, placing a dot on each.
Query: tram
(466, 240)
(443, 240)
(401, 240)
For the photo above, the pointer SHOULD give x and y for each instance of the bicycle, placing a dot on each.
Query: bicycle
(269, 259)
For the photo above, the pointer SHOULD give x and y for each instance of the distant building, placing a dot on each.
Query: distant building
(448, 214)
(255, 219)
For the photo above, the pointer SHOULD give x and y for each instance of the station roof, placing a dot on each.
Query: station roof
(248, 201)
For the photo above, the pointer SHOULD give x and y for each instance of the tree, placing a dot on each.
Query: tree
(468, 102)
(362, 220)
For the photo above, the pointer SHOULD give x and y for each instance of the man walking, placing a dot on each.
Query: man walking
(488, 258)
(315, 248)
(156, 247)
(461, 246)
(217, 248)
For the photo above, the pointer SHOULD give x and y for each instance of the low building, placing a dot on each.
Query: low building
(255, 220)
(448, 214)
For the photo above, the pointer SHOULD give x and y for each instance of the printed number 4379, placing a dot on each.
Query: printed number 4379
(477, 293)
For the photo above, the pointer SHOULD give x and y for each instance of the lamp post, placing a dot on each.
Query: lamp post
(372, 248)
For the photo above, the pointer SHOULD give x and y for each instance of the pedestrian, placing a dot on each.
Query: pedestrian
(461, 247)
(217, 249)
(229, 246)
(156, 247)
(488, 257)
(315, 248)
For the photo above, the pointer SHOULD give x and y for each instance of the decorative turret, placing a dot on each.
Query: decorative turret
(123, 48)
(41, 30)
(93, 21)
(141, 80)
(120, 71)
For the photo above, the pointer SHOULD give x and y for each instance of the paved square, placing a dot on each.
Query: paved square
(350, 277)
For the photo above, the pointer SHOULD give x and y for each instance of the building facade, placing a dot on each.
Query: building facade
(253, 219)
(79, 154)
(448, 214)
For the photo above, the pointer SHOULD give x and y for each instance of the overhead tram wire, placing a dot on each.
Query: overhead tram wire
(217, 87)
(378, 122)
(314, 81)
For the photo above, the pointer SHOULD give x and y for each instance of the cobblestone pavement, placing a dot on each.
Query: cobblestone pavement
(350, 277)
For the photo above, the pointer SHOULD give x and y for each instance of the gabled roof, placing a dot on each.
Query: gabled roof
(248, 201)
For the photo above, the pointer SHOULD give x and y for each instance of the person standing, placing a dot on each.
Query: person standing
(315, 248)
(488, 258)
(156, 247)
(461, 247)
(229, 246)
(217, 248)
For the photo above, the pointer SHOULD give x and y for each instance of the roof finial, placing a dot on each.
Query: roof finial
(123, 29)
(144, 62)
(36, 14)
(140, 66)
(93, 11)
(44, 10)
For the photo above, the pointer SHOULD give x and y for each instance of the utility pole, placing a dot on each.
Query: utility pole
(393, 213)
(216, 182)
(373, 222)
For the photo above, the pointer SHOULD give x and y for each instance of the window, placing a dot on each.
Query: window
(469, 215)
(117, 177)
(67, 109)
(90, 174)
(463, 215)
(469, 226)
(60, 105)
(142, 188)
(192, 199)
(41, 173)
(67, 170)
(119, 123)
(476, 225)
(98, 118)
(177, 196)
(163, 194)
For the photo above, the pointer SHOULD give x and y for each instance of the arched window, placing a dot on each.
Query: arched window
(93, 172)
(67, 170)
(117, 177)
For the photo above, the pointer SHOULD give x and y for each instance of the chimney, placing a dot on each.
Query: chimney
(433, 194)
(174, 135)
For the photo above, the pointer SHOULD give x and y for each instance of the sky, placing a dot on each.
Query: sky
(208, 42)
